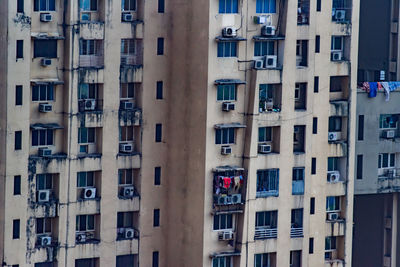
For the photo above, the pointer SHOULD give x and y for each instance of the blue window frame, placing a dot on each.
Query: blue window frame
(227, 49)
(266, 6)
(267, 182)
(228, 6)
(264, 48)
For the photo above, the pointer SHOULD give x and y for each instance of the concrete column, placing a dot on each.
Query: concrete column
(394, 229)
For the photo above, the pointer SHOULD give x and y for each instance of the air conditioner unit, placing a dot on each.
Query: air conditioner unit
(129, 233)
(226, 150)
(268, 30)
(269, 104)
(333, 136)
(337, 55)
(333, 176)
(221, 200)
(127, 105)
(388, 134)
(390, 173)
(43, 196)
(45, 62)
(264, 149)
(229, 32)
(228, 106)
(45, 107)
(128, 191)
(340, 15)
(258, 64)
(271, 61)
(90, 104)
(46, 17)
(89, 193)
(128, 17)
(228, 200)
(125, 148)
(44, 152)
(225, 235)
(80, 237)
(44, 240)
(333, 216)
(236, 199)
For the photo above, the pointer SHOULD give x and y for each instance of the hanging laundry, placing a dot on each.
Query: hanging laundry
(241, 179)
(392, 86)
(387, 90)
(380, 87)
(237, 182)
(227, 182)
(373, 89)
(366, 86)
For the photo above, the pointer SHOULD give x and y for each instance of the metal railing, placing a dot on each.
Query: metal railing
(96, 61)
(131, 59)
(265, 232)
(296, 232)
(389, 181)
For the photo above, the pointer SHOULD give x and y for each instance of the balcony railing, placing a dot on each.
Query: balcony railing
(265, 233)
(131, 59)
(298, 187)
(389, 181)
(269, 193)
(88, 105)
(296, 232)
(95, 61)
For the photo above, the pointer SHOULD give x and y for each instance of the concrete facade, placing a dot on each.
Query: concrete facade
(280, 216)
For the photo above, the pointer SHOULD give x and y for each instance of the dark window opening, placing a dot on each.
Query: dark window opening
(312, 205)
(359, 167)
(317, 43)
(20, 49)
(159, 93)
(300, 96)
(18, 95)
(302, 53)
(161, 6)
(316, 84)
(311, 245)
(313, 165)
(20, 6)
(158, 132)
(18, 140)
(156, 218)
(125, 260)
(157, 176)
(45, 48)
(315, 126)
(155, 259)
(160, 46)
(318, 5)
(17, 185)
(15, 229)
(360, 127)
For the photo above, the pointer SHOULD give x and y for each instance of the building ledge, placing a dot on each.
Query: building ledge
(268, 38)
(91, 155)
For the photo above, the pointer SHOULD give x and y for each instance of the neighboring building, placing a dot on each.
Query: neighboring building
(377, 176)
(185, 133)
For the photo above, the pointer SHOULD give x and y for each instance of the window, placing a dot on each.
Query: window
(159, 90)
(18, 95)
(386, 160)
(227, 49)
(333, 164)
(15, 229)
(161, 6)
(297, 218)
(223, 221)
(330, 243)
(90, 47)
(158, 133)
(44, 5)
(226, 92)
(332, 203)
(20, 6)
(43, 225)
(87, 91)
(20, 49)
(318, 5)
(45, 264)
(18, 140)
(316, 84)
(228, 6)
(298, 174)
(264, 134)
(266, 92)
(359, 167)
(313, 165)
(85, 179)
(44, 181)
(125, 176)
(299, 138)
(267, 182)
(315, 126)
(312, 205)
(128, 5)
(126, 133)
(42, 137)
(157, 176)
(360, 127)
(124, 219)
(265, 260)
(45, 48)
(335, 124)
(17, 185)
(156, 217)
(85, 223)
(127, 91)
(300, 96)
(226, 261)
(264, 48)
(265, 6)
(160, 46)
(388, 121)
(43, 92)
(125, 260)
(91, 262)
(225, 136)
(267, 219)
(88, 5)
(155, 259)
(311, 245)
(86, 135)
(317, 43)
(337, 43)
(128, 46)
(302, 53)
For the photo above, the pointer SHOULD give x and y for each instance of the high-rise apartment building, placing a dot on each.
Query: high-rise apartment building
(179, 133)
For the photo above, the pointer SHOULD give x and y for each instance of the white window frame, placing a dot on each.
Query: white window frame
(86, 179)
(334, 37)
(125, 87)
(87, 224)
(127, 45)
(389, 157)
(46, 221)
(130, 9)
(226, 223)
(124, 174)
(381, 124)
(129, 132)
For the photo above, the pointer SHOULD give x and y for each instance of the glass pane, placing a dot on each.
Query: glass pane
(257, 48)
(223, 221)
(261, 134)
(39, 226)
(90, 222)
(392, 160)
(231, 135)
(42, 93)
(35, 93)
(52, 5)
(90, 179)
(82, 222)
(220, 92)
(129, 176)
(229, 221)
(40, 181)
(91, 135)
(220, 49)
(42, 137)
(48, 181)
(49, 137)
(216, 222)
(81, 179)
(385, 160)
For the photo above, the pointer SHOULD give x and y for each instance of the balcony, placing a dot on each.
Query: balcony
(91, 61)
(296, 232)
(389, 181)
(335, 228)
(131, 60)
(339, 108)
(227, 186)
(91, 30)
(334, 263)
(297, 187)
(265, 233)
(303, 12)
(130, 117)
(127, 233)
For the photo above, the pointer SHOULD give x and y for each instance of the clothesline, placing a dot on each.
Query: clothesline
(373, 87)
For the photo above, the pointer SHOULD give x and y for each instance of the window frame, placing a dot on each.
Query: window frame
(126, 133)
(225, 261)
(129, 8)
(125, 219)
(269, 177)
(47, 136)
(124, 175)
(226, 92)
(127, 91)
(88, 91)
(262, 8)
(223, 222)
(264, 259)
(266, 133)
(46, 226)
(264, 219)
(298, 174)
(43, 89)
(384, 125)
(390, 160)
(50, 44)
(333, 164)
(225, 9)
(88, 7)
(87, 223)
(227, 49)
(330, 243)
(88, 178)
(90, 135)
(46, 184)
(264, 48)
(37, 7)
(128, 47)
(334, 40)
(335, 124)
(225, 136)
(333, 204)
